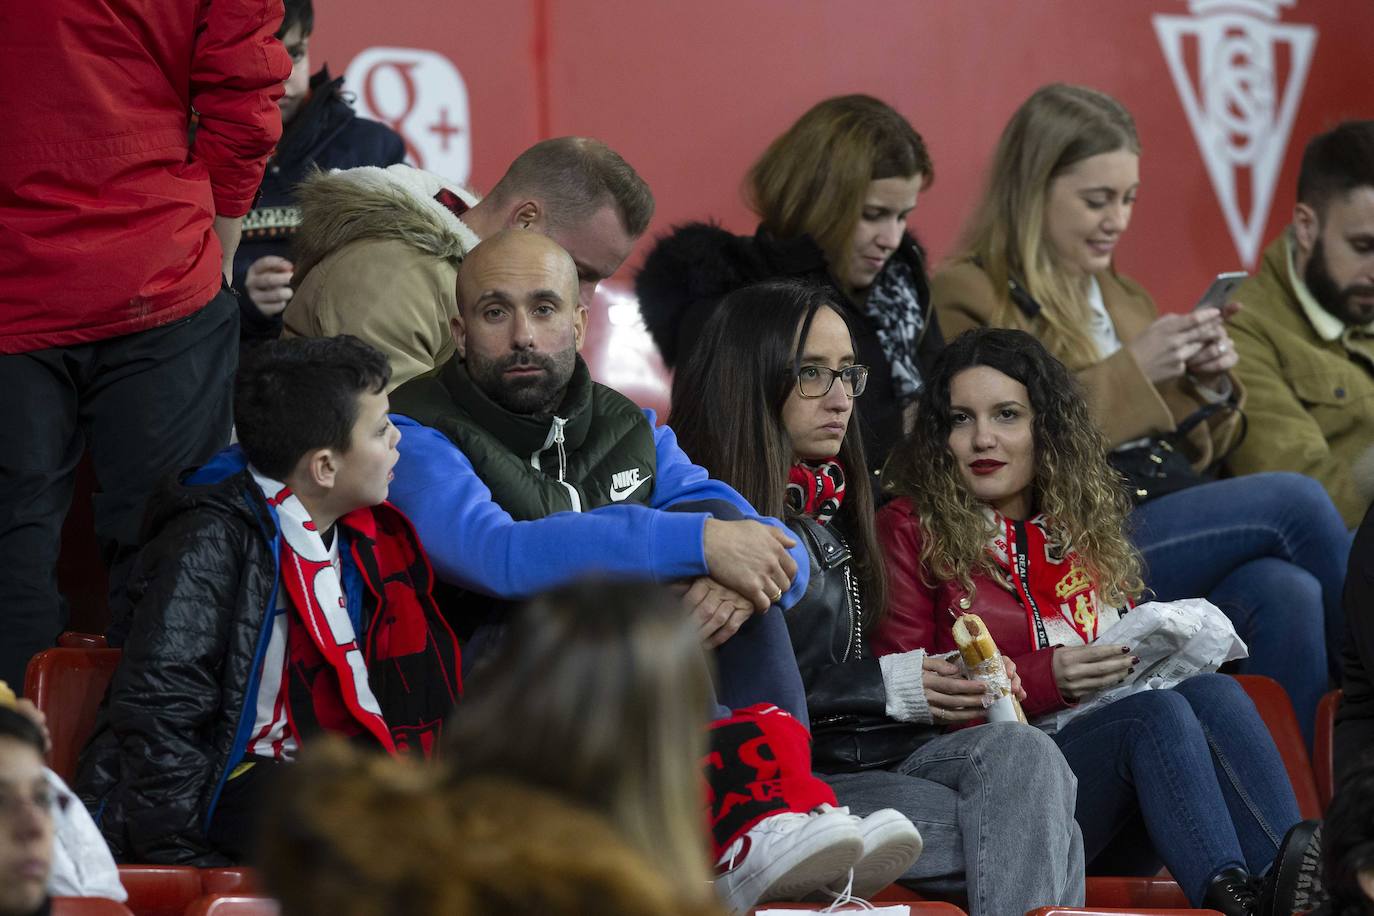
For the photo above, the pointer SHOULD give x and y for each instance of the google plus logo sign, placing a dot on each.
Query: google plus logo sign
(421, 95)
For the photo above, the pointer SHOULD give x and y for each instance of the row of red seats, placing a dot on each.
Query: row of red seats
(68, 682)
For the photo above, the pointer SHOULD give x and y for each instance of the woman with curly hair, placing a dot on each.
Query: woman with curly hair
(1008, 508)
(1038, 255)
(766, 404)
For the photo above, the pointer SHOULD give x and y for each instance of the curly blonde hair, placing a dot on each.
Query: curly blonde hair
(1079, 493)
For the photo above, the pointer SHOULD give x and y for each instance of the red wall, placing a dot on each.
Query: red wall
(690, 93)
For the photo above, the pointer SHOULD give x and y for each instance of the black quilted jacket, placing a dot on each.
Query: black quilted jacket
(167, 730)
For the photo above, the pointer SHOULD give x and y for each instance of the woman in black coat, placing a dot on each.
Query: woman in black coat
(833, 195)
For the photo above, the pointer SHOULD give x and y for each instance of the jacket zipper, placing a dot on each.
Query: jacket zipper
(556, 439)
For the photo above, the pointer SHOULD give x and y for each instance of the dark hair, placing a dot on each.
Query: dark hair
(1348, 839)
(1074, 485)
(1336, 162)
(576, 176)
(727, 410)
(16, 725)
(300, 394)
(298, 12)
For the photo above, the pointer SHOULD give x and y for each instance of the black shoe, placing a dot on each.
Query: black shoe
(1293, 884)
(1233, 892)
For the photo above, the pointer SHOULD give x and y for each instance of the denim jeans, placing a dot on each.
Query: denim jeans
(1197, 766)
(995, 807)
(1270, 551)
(757, 665)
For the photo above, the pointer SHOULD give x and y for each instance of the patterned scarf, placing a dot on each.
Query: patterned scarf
(1048, 578)
(316, 594)
(815, 489)
(894, 307)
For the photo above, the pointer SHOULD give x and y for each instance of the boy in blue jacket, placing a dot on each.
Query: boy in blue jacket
(278, 596)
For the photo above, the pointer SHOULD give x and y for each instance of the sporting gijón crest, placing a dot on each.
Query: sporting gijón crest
(1239, 72)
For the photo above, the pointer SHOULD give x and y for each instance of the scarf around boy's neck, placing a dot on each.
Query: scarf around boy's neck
(326, 632)
(815, 488)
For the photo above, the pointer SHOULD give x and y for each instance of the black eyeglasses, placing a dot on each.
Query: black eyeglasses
(816, 381)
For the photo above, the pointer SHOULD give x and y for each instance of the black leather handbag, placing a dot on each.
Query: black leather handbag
(1159, 467)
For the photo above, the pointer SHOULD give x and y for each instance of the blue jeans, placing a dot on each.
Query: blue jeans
(757, 665)
(1270, 551)
(1197, 766)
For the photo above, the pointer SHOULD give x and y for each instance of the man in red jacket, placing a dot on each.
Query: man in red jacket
(116, 234)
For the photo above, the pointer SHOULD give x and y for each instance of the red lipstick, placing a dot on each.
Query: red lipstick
(984, 466)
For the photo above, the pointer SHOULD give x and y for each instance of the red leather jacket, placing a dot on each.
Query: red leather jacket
(106, 207)
(920, 616)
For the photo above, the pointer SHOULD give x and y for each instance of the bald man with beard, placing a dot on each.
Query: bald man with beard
(522, 474)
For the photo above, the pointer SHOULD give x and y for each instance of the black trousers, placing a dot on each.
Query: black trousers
(147, 405)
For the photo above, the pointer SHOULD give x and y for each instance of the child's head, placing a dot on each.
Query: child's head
(294, 34)
(312, 413)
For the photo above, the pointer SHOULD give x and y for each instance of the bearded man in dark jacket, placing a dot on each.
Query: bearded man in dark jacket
(279, 596)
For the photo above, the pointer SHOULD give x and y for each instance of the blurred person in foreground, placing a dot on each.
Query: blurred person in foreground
(572, 783)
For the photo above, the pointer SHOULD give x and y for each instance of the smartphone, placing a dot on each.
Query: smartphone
(1219, 293)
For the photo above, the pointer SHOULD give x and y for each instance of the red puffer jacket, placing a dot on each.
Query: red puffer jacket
(106, 209)
(920, 617)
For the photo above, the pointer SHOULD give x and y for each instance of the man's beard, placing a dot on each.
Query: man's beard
(1337, 301)
(538, 395)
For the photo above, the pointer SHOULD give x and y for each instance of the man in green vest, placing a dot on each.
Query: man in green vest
(1305, 334)
(522, 474)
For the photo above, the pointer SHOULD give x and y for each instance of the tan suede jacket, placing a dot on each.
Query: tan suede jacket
(1125, 403)
(1311, 405)
(377, 256)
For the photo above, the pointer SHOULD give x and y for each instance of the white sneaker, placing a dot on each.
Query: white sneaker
(891, 846)
(788, 855)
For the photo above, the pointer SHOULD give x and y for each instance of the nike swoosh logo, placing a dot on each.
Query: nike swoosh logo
(619, 493)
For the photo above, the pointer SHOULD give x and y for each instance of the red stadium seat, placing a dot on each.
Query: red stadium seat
(1277, 712)
(88, 906)
(160, 890)
(233, 905)
(1153, 892)
(67, 685)
(74, 640)
(237, 879)
(1323, 754)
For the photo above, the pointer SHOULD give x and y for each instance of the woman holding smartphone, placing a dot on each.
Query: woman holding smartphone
(1268, 549)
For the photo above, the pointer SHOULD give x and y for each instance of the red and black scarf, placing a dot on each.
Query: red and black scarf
(816, 489)
(396, 681)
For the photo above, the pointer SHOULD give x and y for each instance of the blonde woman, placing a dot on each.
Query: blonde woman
(1007, 507)
(1269, 549)
(833, 194)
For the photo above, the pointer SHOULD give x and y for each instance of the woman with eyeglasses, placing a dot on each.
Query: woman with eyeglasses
(1039, 255)
(766, 404)
(833, 194)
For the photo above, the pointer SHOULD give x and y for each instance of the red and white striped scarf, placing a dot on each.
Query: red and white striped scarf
(321, 629)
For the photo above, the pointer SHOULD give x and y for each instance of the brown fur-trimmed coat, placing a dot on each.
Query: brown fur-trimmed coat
(377, 256)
